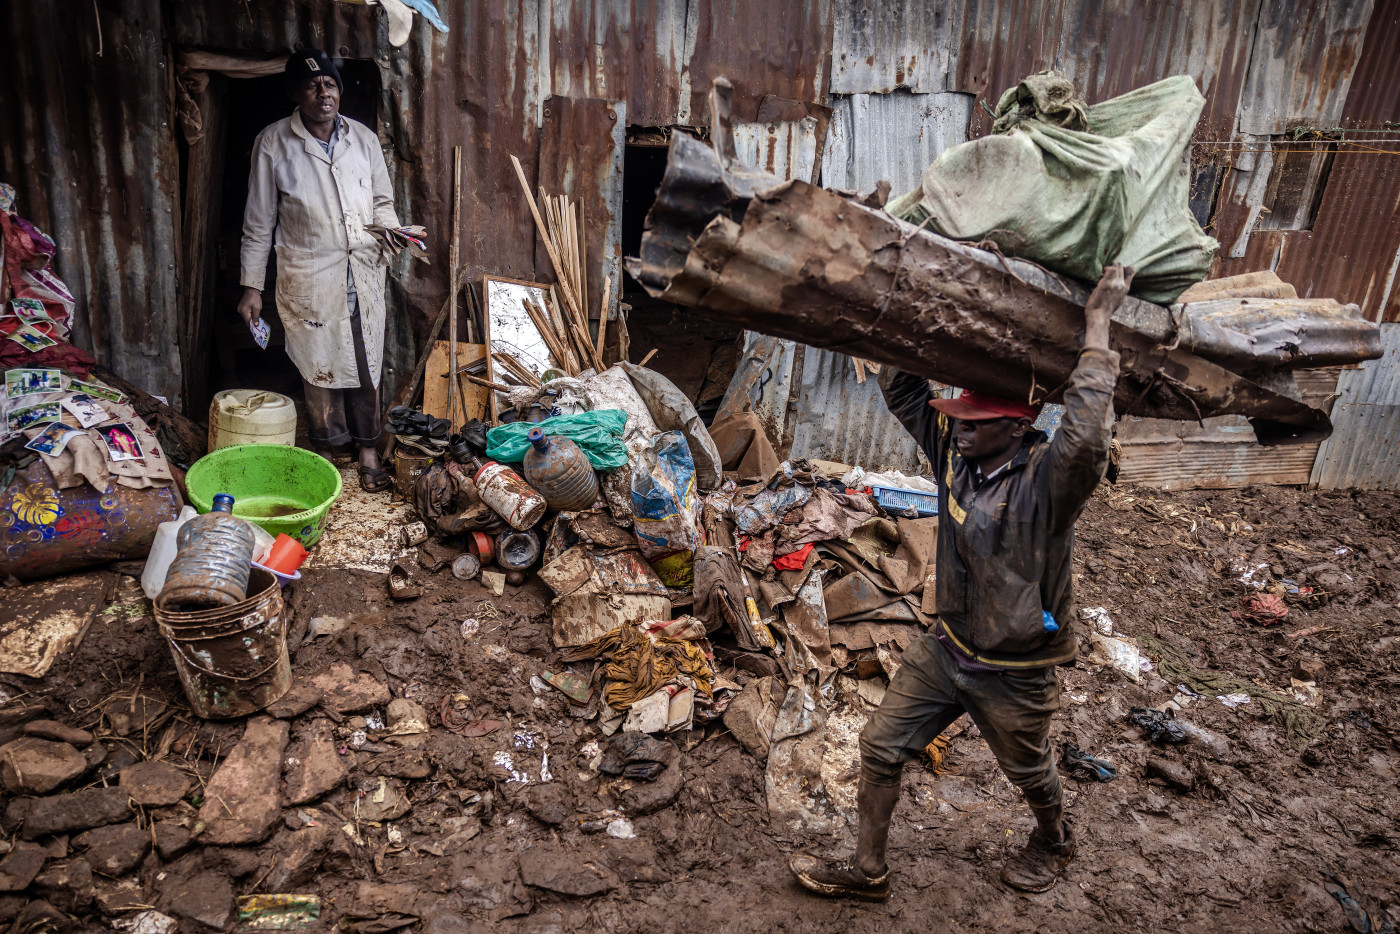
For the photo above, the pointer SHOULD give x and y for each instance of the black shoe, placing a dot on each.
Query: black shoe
(1038, 866)
(840, 878)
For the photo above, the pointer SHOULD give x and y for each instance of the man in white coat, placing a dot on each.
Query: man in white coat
(317, 180)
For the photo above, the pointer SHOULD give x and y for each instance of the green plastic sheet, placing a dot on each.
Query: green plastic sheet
(1076, 187)
(599, 433)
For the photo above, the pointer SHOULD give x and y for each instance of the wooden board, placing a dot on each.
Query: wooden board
(475, 398)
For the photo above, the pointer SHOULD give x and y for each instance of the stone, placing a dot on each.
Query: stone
(549, 804)
(20, 866)
(402, 764)
(10, 906)
(206, 899)
(67, 886)
(154, 784)
(1309, 669)
(298, 856)
(15, 812)
(81, 810)
(115, 850)
(384, 800)
(171, 840)
(565, 871)
(300, 698)
(34, 766)
(345, 690)
(133, 714)
(641, 797)
(406, 717)
(95, 754)
(58, 732)
(1175, 774)
(236, 862)
(312, 766)
(118, 758)
(241, 799)
(114, 896)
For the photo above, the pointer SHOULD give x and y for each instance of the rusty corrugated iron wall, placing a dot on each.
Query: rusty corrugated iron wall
(86, 139)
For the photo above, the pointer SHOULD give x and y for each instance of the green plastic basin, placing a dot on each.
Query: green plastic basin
(283, 489)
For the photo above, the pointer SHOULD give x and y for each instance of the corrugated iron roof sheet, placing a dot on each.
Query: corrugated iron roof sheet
(892, 137)
(878, 47)
(840, 419)
(1364, 450)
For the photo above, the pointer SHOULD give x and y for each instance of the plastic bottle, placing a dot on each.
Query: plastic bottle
(214, 560)
(559, 469)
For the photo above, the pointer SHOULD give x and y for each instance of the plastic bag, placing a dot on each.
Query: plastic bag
(598, 433)
(1076, 188)
(672, 411)
(666, 508)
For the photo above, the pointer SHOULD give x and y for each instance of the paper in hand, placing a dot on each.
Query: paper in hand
(261, 332)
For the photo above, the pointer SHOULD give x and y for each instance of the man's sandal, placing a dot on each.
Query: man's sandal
(375, 479)
(839, 878)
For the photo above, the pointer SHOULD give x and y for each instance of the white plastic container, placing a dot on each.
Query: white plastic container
(163, 551)
(251, 416)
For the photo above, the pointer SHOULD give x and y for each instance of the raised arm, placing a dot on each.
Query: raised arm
(1079, 451)
(907, 397)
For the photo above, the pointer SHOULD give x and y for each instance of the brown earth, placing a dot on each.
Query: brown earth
(459, 844)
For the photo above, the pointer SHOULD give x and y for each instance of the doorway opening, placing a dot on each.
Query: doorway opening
(234, 360)
(698, 354)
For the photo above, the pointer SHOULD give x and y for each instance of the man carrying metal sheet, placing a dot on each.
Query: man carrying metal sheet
(318, 180)
(1008, 502)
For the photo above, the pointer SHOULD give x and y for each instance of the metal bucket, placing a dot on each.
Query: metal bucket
(407, 469)
(232, 660)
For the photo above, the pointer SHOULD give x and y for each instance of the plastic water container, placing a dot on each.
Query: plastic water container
(212, 565)
(163, 551)
(251, 416)
(509, 495)
(559, 469)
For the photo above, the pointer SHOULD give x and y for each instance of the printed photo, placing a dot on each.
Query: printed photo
(31, 415)
(96, 391)
(30, 338)
(53, 439)
(31, 382)
(29, 310)
(121, 442)
(87, 410)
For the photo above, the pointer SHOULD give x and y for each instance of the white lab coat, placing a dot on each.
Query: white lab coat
(319, 206)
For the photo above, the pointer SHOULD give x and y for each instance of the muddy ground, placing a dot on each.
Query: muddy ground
(1244, 849)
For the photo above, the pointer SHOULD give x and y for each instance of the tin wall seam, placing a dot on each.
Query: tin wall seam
(1364, 450)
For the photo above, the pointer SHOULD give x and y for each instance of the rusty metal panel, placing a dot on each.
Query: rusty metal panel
(892, 137)
(840, 419)
(1108, 47)
(766, 50)
(1304, 54)
(1364, 450)
(787, 149)
(581, 148)
(879, 46)
(1218, 453)
(85, 138)
(632, 50)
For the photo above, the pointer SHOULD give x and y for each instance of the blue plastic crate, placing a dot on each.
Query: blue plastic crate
(895, 499)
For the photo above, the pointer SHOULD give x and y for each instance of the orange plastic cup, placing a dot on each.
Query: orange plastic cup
(286, 555)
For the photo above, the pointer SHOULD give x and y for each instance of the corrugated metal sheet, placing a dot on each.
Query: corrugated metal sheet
(786, 149)
(1364, 450)
(1109, 47)
(1302, 63)
(765, 49)
(880, 46)
(842, 420)
(86, 140)
(1219, 453)
(892, 137)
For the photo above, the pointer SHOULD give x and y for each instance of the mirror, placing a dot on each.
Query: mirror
(511, 331)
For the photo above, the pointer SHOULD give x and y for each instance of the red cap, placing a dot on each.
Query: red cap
(976, 406)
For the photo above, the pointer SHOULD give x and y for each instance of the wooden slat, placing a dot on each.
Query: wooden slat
(474, 399)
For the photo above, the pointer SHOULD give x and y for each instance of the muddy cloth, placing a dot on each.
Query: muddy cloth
(744, 447)
(930, 691)
(1005, 542)
(339, 416)
(885, 564)
(85, 459)
(641, 665)
(719, 595)
(434, 494)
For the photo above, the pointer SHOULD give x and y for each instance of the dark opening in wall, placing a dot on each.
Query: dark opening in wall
(1297, 183)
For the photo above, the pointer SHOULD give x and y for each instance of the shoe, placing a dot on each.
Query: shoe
(840, 878)
(1037, 867)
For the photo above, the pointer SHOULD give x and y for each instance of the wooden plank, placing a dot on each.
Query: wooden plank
(475, 399)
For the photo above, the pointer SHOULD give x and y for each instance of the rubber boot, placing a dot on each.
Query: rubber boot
(849, 877)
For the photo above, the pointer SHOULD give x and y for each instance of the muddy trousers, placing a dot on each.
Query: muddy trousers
(930, 691)
(341, 415)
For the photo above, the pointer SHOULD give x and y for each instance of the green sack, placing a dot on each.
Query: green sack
(599, 433)
(1076, 188)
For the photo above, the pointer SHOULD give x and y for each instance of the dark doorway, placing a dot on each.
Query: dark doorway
(698, 354)
(236, 362)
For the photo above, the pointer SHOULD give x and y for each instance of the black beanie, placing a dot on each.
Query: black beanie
(305, 64)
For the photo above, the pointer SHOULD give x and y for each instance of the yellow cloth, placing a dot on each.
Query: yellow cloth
(641, 665)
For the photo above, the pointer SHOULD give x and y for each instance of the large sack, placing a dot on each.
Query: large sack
(1076, 188)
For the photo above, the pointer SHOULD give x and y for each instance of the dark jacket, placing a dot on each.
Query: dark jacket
(1004, 544)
